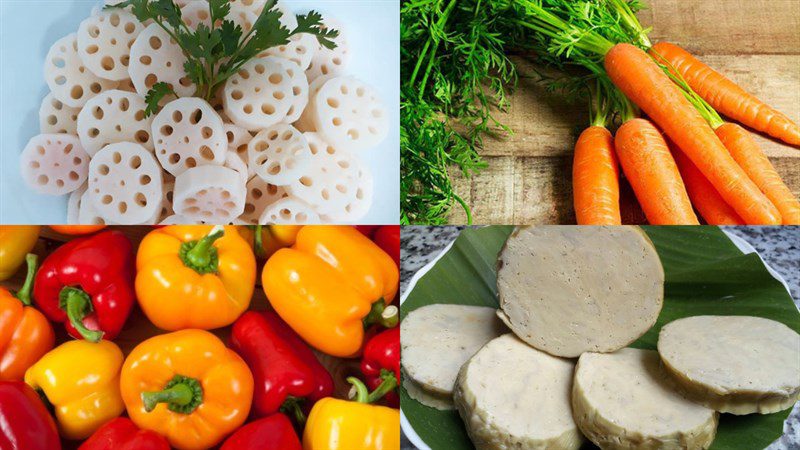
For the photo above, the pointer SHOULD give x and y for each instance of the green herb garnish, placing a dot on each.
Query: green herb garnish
(217, 52)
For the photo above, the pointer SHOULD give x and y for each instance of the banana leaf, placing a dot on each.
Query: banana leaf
(705, 273)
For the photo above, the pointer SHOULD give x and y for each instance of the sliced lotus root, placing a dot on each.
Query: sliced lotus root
(166, 202)
(259, 95)
(299, 88)
(260, 195)
(236, 135)
(74, 204)
(289, 210)
(105, 40)
(187, 133)
(125, 183)
(209, 194)
(114, 116)
(156, 57)
(279, 154)
(288, 19)
(87, 214)
(126, 85)
(54, 164)
(327, 61)
(233, 161)
(68, 78)
(56, 117)
(300, 49)
(305, 122)
(349, 114)
(359, 207)
(195, 12)
(328, 182)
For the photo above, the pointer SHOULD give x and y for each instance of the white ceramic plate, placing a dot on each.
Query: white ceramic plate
(412, 435)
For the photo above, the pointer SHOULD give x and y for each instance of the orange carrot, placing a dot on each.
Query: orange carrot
(646, 84)
(726, 96)
(652, 172)
(755, 163)
(595, 178)
(704, 197)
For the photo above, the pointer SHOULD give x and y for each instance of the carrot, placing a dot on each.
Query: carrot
(705, 198)
(595, 178)
(755, 163)
(648, 165)
(645, 83)
(726, 96)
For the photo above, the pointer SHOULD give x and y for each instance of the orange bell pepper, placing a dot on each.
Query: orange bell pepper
(330, 285)
(268, 239)
(188, 387)
(335, 424)
(194, 276)
(25, 333)
(15, 242)
(76, 230)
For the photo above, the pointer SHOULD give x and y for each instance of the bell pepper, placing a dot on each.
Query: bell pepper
(76, 230)
(285, 370)
(194, 276)
(87, 284)
(15, 242)
(336, 424)
(381, 364)
(80, 379)
(388, 239)
(330, 285)
(188, 387)
(274, 432)
(24, 420)
(267, 239)
(122, 434)
(25, 333)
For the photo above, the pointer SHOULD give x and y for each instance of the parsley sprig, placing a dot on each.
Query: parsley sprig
(217, 52)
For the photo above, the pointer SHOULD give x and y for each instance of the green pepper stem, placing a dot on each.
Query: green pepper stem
(385, 316)
(78, 305)
(181, 394)
(201, 255)
(24, 294)
(387, 385)
(359, 391)
(292, 407)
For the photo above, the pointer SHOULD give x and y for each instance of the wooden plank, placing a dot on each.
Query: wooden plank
(726, 26)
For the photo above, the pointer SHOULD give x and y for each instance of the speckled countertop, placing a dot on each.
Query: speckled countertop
(778, 246)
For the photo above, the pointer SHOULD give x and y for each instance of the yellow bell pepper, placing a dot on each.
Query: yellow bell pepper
(188, 387)
(268, 239)
(332, 283)
(335, 424)
(81, 380)
(16, 241)
(194, 276)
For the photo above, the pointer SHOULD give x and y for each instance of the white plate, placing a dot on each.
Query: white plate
(30, 27)
(412, 435)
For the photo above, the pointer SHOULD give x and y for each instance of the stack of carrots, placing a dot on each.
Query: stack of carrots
(683, 156)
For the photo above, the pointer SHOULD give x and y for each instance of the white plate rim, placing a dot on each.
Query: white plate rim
(405, 425)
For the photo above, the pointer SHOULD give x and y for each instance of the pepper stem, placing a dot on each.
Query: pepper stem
(201, 255)
(258, 241)
(78, 305)
(24, 294)
(385, 316)
(359, 391)
(181, 394)
(292, 407)
(387, 385)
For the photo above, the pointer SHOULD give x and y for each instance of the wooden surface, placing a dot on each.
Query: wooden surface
(754, 42)
(139, 328)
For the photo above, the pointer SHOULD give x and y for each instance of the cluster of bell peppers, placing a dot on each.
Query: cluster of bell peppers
(330, 287)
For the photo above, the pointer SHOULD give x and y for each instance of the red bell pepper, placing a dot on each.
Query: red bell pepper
(388, 238)
(122, 434)
(287, 374)
(25, 423)
(87, 284)
(381, 364)
(273, 432)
